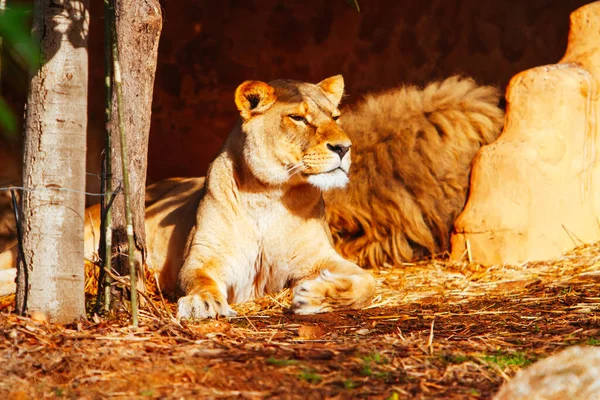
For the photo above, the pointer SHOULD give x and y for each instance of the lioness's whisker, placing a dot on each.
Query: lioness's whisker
(295, 168)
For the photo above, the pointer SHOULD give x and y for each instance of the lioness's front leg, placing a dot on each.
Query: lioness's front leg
(206, 294)
(339, 284)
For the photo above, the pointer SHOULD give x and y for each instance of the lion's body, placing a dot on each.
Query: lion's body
(171, 206)
(412, 158)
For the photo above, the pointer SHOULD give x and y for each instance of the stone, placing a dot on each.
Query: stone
(535, 192)
(573, 373)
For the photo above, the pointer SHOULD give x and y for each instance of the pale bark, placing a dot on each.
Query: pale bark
(55, 146)
(139, 25)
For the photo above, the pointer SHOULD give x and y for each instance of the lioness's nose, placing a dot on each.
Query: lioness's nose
(340, 149)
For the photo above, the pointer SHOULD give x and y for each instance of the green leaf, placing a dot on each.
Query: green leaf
(8, 121)
(310, 376)
(349, 384)
(16, 37)
(280, 362)
(354, 4)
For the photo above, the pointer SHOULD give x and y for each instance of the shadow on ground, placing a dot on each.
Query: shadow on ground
(436, 330)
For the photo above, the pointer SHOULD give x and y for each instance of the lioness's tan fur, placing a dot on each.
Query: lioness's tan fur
(412, 153)
(257, 223)
(260, 225)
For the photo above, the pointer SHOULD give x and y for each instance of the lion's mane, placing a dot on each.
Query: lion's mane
(412, 153)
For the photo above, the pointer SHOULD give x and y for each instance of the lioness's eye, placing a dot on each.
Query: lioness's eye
(335, 117)
(298, 118)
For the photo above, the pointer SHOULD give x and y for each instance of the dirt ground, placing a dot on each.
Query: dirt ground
(437, 329)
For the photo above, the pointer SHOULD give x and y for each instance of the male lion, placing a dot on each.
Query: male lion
(412, 154)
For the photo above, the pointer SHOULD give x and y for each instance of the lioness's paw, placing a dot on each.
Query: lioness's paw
(329, 291)
(203, 305)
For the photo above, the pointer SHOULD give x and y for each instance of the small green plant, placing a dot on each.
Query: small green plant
(377, 358)
(281, 362)
(370, 361)
(474, 392)
(456, 358)
(365, 370)
(349, 384)
(593, 342)
(566, 290)
(394, 396)
(147, 393)
(382, 375)
(310, 376)
(503, 360)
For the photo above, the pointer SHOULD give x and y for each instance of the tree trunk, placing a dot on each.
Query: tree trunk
(139, 24)
(54, 172)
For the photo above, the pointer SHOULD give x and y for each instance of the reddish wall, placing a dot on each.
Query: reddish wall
(209, 47)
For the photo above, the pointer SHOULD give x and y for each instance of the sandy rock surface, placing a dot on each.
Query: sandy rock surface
(535, 192)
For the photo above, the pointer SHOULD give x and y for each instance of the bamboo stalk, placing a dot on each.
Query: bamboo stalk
(108, 155)
(105, 247)
(21, 300)
(124, 162)
(2, 8)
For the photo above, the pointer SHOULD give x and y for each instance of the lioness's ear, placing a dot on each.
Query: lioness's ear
(254, 97)
(333, 88)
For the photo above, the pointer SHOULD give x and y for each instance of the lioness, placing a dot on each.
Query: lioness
(260, 225)
(260, 218)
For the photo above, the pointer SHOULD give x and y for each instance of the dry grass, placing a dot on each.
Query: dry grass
(436, 329)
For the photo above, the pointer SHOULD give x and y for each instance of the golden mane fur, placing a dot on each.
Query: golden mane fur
(412, 152)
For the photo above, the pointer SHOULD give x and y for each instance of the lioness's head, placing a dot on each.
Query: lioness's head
(291, 132)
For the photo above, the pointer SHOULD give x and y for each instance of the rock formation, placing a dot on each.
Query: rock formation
(573, 373)
(535, 192)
